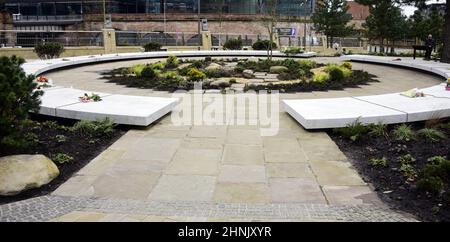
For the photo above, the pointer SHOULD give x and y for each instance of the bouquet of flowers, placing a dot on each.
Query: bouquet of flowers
(43, 82)
(413, 93)
(447, 87)
(90, 98)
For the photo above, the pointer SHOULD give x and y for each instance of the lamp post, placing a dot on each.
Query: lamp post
(165, 19)
(104, 13)
(199, 23)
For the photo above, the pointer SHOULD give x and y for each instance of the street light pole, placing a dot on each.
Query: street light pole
(199, 23)
(165, 19)
(104, 13)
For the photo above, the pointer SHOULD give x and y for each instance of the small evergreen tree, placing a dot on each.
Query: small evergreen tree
(17, 98)
(331, 19)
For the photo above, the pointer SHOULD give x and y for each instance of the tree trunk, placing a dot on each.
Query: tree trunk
(446, 50)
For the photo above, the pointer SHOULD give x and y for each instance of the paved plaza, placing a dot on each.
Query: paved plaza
(167, 172)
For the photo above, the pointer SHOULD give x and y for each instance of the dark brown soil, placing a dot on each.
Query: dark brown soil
(390, 184)
(82, 148)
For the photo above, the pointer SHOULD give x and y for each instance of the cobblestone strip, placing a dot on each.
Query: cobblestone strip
(49, 207)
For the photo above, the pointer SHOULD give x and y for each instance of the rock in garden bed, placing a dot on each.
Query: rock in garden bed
(22, 172)
(68, 145)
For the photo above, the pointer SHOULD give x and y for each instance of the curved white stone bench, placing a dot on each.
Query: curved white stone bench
(388, 108)
(42, 66)
(122, 109)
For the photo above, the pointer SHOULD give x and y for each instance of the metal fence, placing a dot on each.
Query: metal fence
(132, 38)
(67, 38)
(50, 18)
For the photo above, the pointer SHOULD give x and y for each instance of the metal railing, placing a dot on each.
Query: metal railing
(45, 19)
(133, 38)
(67, 38)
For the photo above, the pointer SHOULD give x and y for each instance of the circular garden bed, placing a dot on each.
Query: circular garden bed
(285, 75)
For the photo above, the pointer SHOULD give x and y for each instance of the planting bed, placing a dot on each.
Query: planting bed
(285, 75)
(59, 141)
(401, 171)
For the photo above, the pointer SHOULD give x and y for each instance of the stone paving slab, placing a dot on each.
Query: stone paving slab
(58, 208)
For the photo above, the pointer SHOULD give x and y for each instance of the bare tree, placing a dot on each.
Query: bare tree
(270, 21)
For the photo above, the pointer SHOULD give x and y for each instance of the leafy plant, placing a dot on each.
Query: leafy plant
(137, 69)
(292, 51)
(337, 73)
(408, 171)
(196, 75)
(48, 50)
(437, 160)
(321, 77)
(431, 135)
(379, 130)
(264, 45)
(406, 159)
(233, 44)
(354, 131)
(307, 65)
(172, 62)
(101, 128)
(404, 133)
(347, 65)
(31, 138)
(152, 46)
(50, 124)
(149, 72)
(60, 138)
(383, 162)
(17, 98)
(62, 158)
(430, 184)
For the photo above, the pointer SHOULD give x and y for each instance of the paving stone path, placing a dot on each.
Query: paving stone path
(216, 173)
(84, 209)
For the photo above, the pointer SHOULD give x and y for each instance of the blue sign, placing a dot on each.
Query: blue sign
(287, 31)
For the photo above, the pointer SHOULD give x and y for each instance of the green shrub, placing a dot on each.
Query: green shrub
(338, 73)
(292, 51)
(170, 80)
(152, 46)
(158, 65)
(196, 75)
(430, 184)
(354, 131)
(379, 162)
(406, 159)
(149, 72)
(17, 99)
(403, 133)
(437, 160)
(100, 128)
(307, 65)
(60, 138)
(137, 69)
(379, 130)
(408, 171)
(172, 62)
(347, 65)
(233, 44)
(208, 59)
(321, 77)
(48, 50)
(264, 45)
(431, 135)
(62, 158)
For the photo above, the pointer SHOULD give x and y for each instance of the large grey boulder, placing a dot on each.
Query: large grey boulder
(278, 69)
(248, 74)
(213, 67)
(22, 172)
